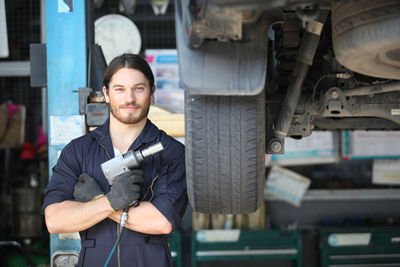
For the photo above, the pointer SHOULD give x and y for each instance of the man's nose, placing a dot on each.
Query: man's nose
(131, 97)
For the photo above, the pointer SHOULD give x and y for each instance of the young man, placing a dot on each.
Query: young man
(79, 197)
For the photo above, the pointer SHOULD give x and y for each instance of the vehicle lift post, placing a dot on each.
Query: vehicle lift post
(66, 72)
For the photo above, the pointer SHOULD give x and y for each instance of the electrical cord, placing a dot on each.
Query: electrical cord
(341, 75)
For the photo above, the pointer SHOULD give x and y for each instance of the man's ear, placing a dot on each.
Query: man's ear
(153, 90)
(106, 95)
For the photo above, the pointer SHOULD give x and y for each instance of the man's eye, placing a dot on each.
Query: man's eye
(119, 89)
(139, 88)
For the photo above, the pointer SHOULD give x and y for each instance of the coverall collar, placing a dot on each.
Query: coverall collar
(148, 134)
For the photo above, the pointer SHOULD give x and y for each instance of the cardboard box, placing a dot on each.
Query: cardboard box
(171, 123)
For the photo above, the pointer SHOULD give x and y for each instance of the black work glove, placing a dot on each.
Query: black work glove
(125, 189)
(86, 188)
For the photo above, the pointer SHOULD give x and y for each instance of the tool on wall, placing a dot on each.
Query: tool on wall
(91, 98)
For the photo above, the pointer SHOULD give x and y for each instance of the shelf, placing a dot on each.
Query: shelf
(345, 195)
(15, 69)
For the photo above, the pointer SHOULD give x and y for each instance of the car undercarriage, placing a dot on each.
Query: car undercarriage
(257, 72)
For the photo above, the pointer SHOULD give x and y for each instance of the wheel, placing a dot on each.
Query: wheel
(366, 37)
(225, 152)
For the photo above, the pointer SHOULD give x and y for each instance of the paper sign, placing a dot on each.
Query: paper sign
(353, 239)
(371, 144)
(287, 185)
(65, 6)
(320, 147)
(63, 129)
(386, 171)
(205, 236)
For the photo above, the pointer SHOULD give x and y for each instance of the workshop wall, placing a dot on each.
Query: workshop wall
(23, 28)
(157, 31)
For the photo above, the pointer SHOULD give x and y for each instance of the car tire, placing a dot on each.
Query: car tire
(225, 152)
(366, 37)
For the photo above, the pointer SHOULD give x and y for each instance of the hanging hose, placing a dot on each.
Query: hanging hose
(122, 222)
(118, 165)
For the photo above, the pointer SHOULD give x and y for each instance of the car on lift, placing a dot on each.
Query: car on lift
(256, 72)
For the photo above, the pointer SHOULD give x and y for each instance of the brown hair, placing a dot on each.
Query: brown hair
(129, 61)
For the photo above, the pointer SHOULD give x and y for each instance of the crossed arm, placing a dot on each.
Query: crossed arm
(72, 216)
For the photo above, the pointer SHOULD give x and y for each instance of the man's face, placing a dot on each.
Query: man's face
(129, 96)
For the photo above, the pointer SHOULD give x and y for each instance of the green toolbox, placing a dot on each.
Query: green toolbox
(175, 245)
(225, 245)
(360, 246)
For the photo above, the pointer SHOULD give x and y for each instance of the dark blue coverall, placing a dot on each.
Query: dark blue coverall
(164, 185)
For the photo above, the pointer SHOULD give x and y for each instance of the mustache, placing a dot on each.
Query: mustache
(133, 104)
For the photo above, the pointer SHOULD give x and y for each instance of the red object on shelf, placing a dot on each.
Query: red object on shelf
(28, 152)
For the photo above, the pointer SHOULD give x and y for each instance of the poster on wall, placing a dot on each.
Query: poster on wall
(169, 92)
(386, 171)
(370, 144)
(318, 148)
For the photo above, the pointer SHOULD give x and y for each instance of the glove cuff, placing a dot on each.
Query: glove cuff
(108, 201)
(98, 196)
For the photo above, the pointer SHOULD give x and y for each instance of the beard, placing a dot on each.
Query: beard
(130, 118)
